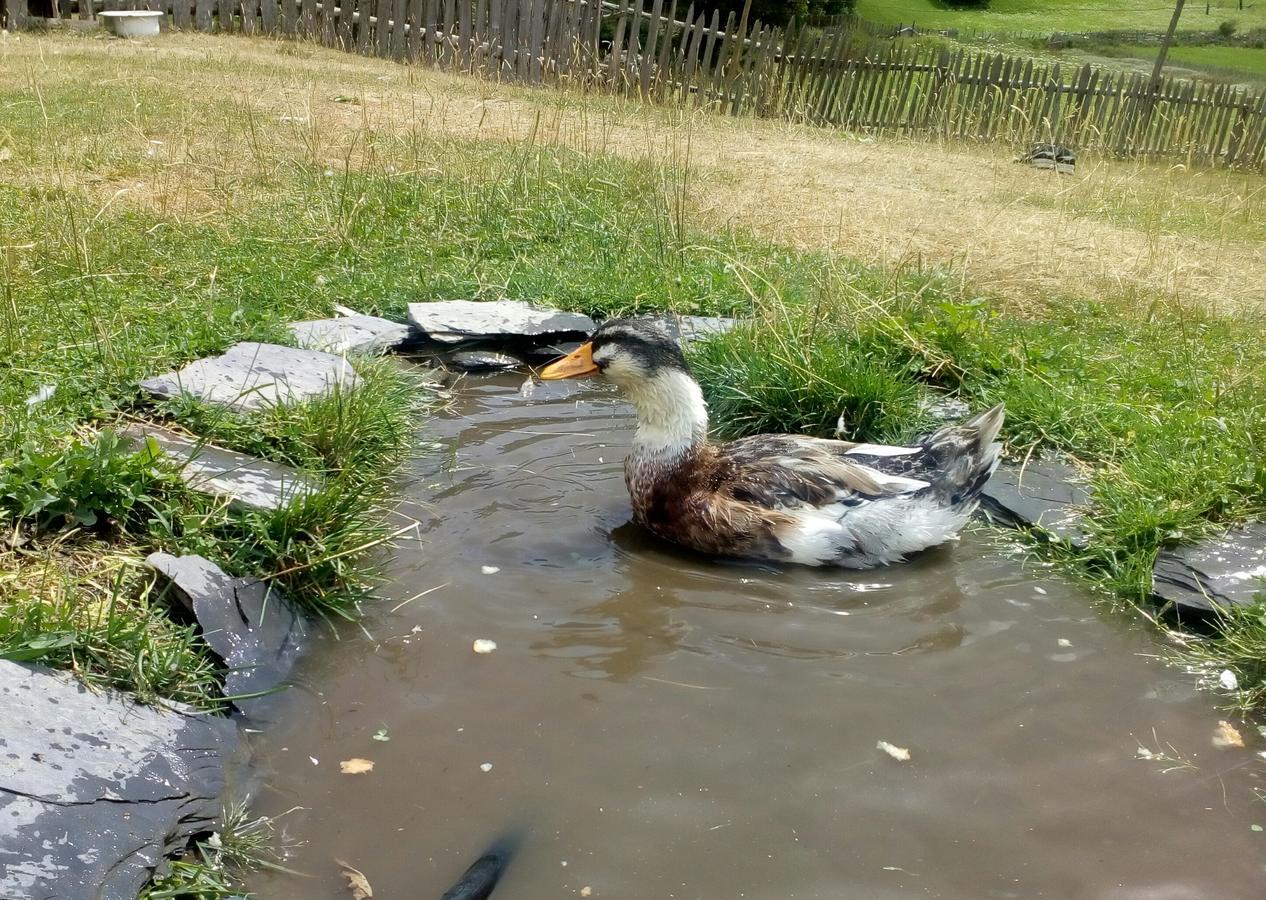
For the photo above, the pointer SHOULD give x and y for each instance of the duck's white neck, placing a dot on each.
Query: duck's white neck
(672, 418)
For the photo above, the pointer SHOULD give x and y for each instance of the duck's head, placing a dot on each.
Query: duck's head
(628, 352)
(645, 361)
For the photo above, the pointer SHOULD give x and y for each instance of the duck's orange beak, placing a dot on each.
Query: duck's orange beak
(576, 364)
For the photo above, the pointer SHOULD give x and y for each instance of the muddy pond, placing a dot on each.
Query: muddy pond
(667, 726)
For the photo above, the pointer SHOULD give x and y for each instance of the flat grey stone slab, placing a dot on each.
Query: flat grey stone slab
(251, 376)
(1045, 493)
(940, 408)
(482, 360)
(1216, 573)
(688, 329)
(351, 334)
(248, 481)
(507, 321)
(693, 328)
(245, 621)
(96, 789)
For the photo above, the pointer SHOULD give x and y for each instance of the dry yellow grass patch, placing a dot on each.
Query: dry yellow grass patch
(1114, 229)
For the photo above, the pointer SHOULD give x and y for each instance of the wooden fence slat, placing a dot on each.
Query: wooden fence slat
(248, 10)
(413, 30)
(382, 26)
(510, 40)
(663, 65)
(617, 43)
(494, 37)
(648, 57)
(479, 35)
(345, 26)
(463, 34)
(708, 60)
(202, 14)
(181, 12)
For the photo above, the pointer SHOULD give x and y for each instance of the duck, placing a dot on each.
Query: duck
(778, 498)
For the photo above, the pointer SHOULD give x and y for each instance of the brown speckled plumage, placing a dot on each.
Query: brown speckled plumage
(779, 497)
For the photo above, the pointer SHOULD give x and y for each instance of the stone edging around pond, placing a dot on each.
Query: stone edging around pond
(259, 636)
(97, 789)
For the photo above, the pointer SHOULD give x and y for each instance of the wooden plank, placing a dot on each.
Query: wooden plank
(448, 44)
(748, 51)
(464, 12)
(537, 46)
(798, 72)
(617, 44)
(308, 19)
(648, 57)
(479, 36)
(494, 37)
(523, 57)
(249, 10)
(1255, 143)
(550, 47)
(399, 40)
(827, 73)
(707, 62)
(202, 14)
(327, 16)
(364, 27)
(344, 32)
(694, 38)
(720, 85)
(663, 65)
(633, 54)
(382, 26)
(510, 41)
(224, 16)
(181, 12)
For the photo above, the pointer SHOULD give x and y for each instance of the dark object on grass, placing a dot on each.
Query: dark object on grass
(1215, 574)
(1051, 156)
(478, 882)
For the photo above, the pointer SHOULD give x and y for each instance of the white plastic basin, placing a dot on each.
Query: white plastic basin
(133, 22)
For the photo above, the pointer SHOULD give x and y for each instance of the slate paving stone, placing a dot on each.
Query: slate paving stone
(1216, 573)
(251, 376)
(505, 321)
(248, 482)
(351, 334)
(96, 789)
(1046, 493)
(693, 328)
(247, 622)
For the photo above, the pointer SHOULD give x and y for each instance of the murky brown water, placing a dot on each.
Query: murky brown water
(671, 727)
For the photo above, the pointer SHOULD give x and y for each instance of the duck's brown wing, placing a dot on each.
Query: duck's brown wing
(786, 472)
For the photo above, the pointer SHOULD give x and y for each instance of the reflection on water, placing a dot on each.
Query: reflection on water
(673, 726)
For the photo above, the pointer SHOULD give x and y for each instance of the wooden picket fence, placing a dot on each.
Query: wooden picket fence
(837, 75)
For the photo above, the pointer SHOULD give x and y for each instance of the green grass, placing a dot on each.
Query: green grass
(1162, 404)
(1046, 16)
(213, 866)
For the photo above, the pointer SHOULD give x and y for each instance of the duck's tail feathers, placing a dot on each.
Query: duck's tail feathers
(966, 455)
